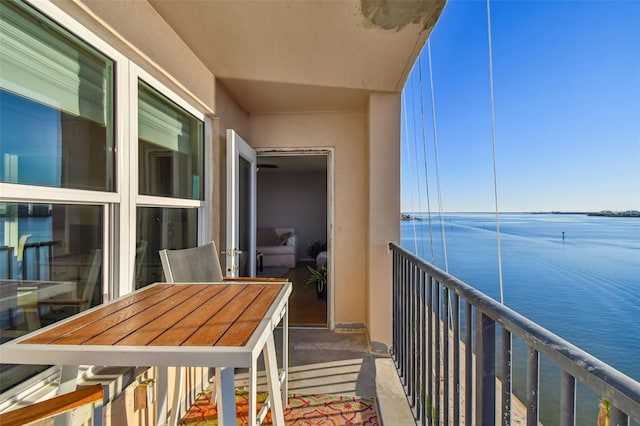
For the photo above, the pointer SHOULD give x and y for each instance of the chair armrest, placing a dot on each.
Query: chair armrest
(53, 406)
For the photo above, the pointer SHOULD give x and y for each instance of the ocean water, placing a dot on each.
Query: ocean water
(583, 286)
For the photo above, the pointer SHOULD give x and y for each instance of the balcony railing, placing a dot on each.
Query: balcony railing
(437, 316)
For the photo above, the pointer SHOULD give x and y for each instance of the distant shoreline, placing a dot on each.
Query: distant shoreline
(603, 213)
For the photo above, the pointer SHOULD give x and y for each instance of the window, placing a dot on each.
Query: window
(49, 251)
(170, 166)
(158, 228)
(56, 95)
(67, 228)
(170, 154)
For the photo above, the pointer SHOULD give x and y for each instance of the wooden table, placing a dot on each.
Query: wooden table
(190, 325)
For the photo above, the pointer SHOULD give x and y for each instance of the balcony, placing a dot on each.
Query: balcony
(437, 316)
(475, 387)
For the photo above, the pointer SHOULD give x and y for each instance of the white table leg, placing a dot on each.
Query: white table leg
(273, 382)
(68, 378)
(226, 394)
(285, 356)
(253, 386)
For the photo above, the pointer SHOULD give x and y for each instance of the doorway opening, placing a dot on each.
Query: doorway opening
(293, 229)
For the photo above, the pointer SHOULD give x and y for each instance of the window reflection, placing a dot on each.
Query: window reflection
(56, 105)
(170, 148)
(48, 253)
(159, 228)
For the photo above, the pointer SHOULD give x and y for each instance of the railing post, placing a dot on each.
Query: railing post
(485, 370)
(568, 400)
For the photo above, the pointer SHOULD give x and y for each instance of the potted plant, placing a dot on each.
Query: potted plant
(315, 247)
(319, 278)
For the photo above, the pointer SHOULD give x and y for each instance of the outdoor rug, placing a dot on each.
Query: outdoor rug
(320, 409)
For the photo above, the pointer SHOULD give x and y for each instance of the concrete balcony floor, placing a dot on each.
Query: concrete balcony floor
(322, 361)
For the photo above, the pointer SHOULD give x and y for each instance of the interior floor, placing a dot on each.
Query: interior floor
(305, 307)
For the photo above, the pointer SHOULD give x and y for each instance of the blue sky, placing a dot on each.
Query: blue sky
(567, 108)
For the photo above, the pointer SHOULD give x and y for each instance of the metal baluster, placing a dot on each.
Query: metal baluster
(506, 377)
(468, 365)
(445, 344)
(456, 359)
(568, 400)
(430, 396)
(533, 389)
(485, 370)
(436, 396)
(424, 311)
(412, 334)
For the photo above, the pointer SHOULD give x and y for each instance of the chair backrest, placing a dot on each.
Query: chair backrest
(192, 265)
(92, 279)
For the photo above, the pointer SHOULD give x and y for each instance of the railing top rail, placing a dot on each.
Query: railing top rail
(618, 388)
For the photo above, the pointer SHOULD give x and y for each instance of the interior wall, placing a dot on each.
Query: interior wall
(346, 132)
(230, 116)
(297, 200)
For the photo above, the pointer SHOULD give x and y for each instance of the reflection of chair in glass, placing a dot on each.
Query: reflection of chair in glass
(193, 265)
(141, 250)
(57, 405)
(84, 301)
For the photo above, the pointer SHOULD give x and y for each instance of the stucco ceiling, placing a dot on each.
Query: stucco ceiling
(299, 55)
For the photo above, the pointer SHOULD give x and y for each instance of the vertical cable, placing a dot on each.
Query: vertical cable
(426, 170)
(493, 139)
(435, 145)
(406, 134)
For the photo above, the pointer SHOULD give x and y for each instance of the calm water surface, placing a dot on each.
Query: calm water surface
(584, 287)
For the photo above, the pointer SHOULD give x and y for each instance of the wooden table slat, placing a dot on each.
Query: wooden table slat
(93, 317)
(117, 332)
(245, 325)
(168, 325)
(209, 333)
(183, 329)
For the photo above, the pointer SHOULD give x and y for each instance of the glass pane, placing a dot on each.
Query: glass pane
(47, 251)
(159, 228)
(170, 148)
(56, 105)
(244, 216)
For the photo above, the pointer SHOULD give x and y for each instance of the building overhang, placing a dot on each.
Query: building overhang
(304, 55)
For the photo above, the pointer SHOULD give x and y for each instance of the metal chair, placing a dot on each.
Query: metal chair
(192, 265)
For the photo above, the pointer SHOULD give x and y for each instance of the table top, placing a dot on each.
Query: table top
(203, 324)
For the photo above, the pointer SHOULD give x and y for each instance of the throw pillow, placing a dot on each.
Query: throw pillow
(282, 240)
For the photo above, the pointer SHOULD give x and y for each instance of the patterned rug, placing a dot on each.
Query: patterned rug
(302, 410)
